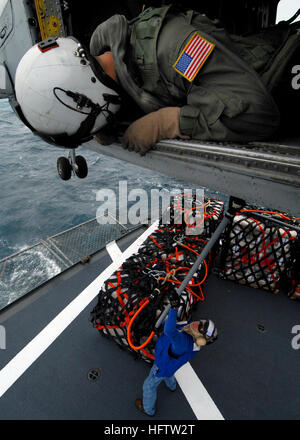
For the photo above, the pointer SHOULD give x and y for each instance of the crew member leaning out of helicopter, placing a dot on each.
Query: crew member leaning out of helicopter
(186, 75)
(190, 78)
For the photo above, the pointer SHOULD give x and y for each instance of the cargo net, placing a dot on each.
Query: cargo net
(131, 301)
(262, 253)
(291, 279)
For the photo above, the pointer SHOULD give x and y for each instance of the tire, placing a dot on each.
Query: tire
(64, 168)
(82, 171)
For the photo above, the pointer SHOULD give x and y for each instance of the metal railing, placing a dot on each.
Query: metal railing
(29, 268)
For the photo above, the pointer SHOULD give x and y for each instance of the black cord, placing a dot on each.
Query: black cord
(293, 18)
(72, 95)
(85, 102)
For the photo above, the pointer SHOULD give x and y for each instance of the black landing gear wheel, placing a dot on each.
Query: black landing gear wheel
(82, 169)
(74, 163)
(64, 168)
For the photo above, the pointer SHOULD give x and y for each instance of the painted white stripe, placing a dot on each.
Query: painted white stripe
(114, 250)
(31, 352)
(200, 401)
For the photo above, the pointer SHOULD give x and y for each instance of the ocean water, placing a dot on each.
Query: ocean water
(35, 203)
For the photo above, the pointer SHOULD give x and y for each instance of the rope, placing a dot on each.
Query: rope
(259, 251)
(130, 325)
(136, 294)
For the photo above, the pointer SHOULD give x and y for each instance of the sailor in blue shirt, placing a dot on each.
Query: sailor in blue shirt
(179, 343)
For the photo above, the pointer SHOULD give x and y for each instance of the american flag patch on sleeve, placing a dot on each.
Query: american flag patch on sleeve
(193, 57)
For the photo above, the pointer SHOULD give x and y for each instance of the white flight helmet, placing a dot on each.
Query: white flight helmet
(63, 93)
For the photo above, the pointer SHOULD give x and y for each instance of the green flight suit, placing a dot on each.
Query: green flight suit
(227, 100)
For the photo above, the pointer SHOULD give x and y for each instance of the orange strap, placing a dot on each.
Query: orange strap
(130, 325)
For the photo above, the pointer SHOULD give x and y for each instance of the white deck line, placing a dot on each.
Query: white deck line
(114, 251)
(200, 401)
(33, 350)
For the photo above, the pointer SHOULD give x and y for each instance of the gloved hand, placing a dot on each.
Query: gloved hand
(143, 133)
(174, 299)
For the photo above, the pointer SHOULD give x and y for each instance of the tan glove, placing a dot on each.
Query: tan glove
(143, 133)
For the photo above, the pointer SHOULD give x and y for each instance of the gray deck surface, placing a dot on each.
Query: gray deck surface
(248, 374)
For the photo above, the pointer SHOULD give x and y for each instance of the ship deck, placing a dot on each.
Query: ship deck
(50, 350)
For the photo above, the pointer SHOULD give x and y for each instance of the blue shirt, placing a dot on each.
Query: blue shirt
(174, 347)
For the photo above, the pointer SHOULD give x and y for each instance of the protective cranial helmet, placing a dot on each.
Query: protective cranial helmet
(204, 328)
(210, 331)
(63, 93)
